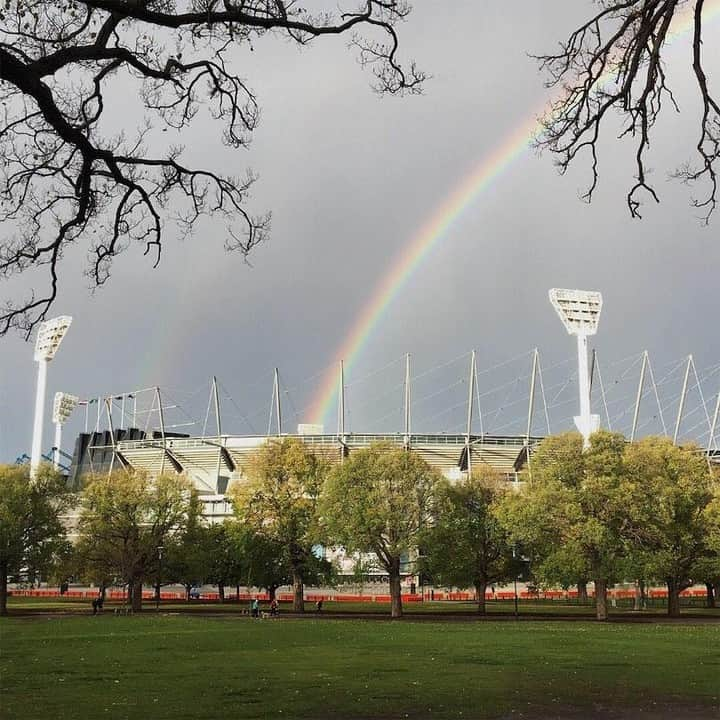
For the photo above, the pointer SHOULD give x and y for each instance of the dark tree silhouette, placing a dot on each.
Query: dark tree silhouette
(65, 177)
(614, 62)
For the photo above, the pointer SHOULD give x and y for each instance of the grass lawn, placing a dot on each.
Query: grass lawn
(180, 666)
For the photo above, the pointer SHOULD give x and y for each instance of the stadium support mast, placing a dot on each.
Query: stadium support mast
(341, 404)
(531, 399)
(711, 440)
(641, 384)
(216, 400)
(50, 335)
(579, 311)
(276, 392)
(683, 395)
(471, 388)
(86, 403)
(218, 426)
(161, 416)
(407, 400)
(108, 412)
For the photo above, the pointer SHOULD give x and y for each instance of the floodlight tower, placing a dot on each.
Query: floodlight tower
(50, 335)
(579, 311)
(63, 406)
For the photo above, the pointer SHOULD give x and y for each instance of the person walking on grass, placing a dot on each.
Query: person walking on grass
(97, 603)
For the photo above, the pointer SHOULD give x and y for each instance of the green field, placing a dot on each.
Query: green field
(180, 666)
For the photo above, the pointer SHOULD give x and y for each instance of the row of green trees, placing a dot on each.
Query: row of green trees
(619, 511)
(647, 511)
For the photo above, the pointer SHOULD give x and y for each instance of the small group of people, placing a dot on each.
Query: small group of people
(255, 608)
(274, 607)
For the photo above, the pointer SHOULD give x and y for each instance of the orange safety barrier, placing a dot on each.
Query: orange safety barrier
(438, 595)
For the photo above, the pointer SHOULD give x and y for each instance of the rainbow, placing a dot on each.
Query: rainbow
(433, 231)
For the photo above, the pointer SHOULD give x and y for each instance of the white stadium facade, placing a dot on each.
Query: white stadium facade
(213, 464)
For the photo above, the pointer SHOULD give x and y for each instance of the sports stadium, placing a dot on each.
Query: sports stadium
(213, 463)
(147, 439)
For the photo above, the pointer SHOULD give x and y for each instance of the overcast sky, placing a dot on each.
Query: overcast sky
(350, 179)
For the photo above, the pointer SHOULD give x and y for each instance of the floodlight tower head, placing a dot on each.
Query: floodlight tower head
(50, 335)
(579, 311)
(63, 406)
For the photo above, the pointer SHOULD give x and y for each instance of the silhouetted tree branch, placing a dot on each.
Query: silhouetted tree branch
(65, 177)
(614, 61)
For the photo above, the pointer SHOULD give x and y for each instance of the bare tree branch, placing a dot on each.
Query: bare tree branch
(64, 179)
(614, 62)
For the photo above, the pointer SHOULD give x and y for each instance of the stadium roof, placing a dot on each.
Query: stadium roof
(213, 462)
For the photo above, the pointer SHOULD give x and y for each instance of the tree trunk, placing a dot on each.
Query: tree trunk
(221, 592)
(480, 588)
(601, 609)
(188, 588)
(710, 590)
(137, 596)
(643, 594)
(395, 595)
(3, 588)
(298, 592)
(272, 590)
(582, 591)
(237, 595)
(674, 589)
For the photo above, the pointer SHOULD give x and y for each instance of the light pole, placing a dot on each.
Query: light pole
(160, 549)
(579, 311)
(63, 406)
(49, 337)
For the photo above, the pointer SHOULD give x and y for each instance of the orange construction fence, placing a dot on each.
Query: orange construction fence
(440, 595)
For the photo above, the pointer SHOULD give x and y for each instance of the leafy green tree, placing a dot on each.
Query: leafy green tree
(279, 501)
(205, 554)
(708, 570)
(31, 527)
(187, 558)
(362, 568)
(575, 511)
(125, 517)
(225, 557)
(264, 562)
(63, 564)
(466, 543)
(680, 519)
(380, 500)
